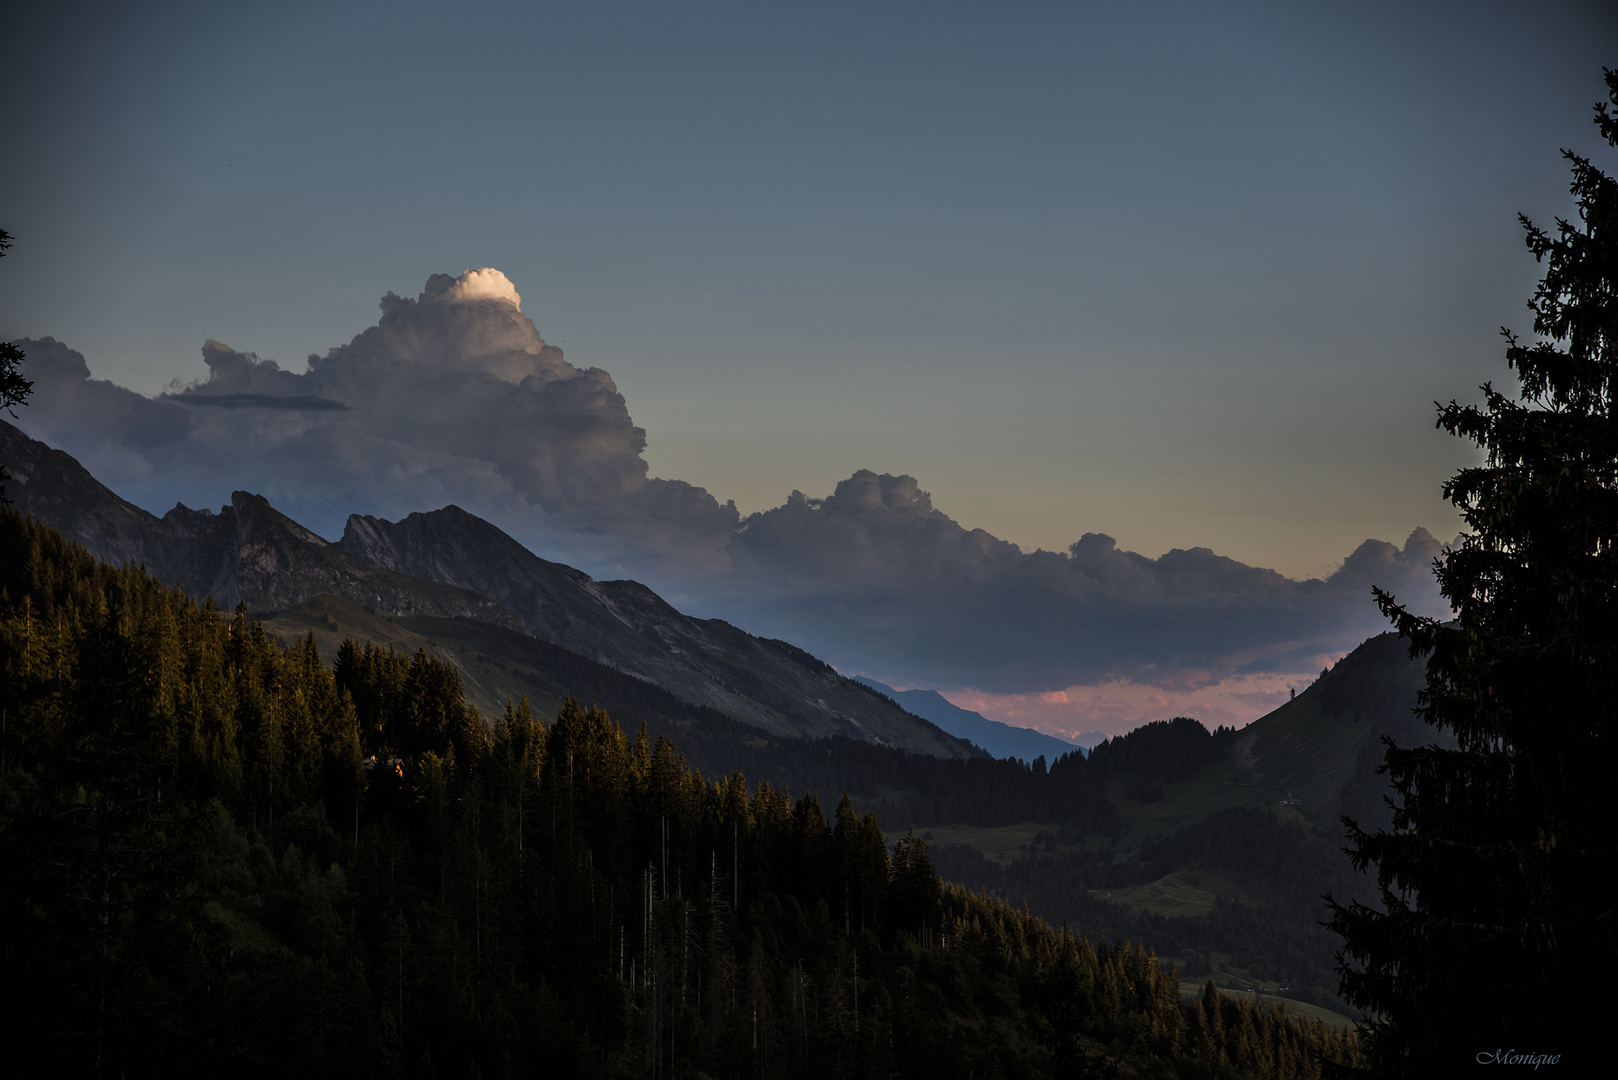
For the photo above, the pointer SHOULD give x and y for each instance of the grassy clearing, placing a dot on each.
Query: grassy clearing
(1217, 786)
(491, 672)
(1302, 1009)
(1235, 983)
(1184, 892)
(1311, 755)
(1003, 843)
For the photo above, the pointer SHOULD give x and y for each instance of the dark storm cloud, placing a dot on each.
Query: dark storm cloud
(454, 397)
(127, 439)
(66, 397)
(260, 401)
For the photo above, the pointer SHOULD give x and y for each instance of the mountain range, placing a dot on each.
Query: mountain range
(453, 567)
(1001, 740)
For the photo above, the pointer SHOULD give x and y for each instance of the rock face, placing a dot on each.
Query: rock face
(251, 551)
(56, 489)
(765, 682)
(451, 563)
(248, 551)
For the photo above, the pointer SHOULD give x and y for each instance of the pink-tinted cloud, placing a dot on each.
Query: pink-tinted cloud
(1116, 706)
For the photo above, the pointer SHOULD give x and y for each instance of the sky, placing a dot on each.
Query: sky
(1185, 277)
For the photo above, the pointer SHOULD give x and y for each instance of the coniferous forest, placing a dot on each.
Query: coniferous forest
(224, 856)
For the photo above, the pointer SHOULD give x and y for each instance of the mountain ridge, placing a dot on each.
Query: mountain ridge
(250, 552)
(999, 739)
(770, 683)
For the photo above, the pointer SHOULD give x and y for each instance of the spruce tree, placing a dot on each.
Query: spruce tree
(1495, 924)
(14, 389)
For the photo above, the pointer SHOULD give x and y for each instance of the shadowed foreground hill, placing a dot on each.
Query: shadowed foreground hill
(225, 857)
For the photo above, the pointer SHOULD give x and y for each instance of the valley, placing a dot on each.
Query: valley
(1134, 874)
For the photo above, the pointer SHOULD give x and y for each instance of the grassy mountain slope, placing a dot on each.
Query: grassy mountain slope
(498, 665)
(1311, 760)
(765, 682)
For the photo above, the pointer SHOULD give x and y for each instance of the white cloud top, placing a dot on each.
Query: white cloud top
(485, 283)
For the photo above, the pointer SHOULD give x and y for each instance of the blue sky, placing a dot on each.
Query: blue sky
(1187, 274)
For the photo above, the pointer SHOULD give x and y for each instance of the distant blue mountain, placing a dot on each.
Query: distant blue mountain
(1001, 740)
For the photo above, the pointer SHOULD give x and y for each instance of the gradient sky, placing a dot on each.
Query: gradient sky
(1185, 273)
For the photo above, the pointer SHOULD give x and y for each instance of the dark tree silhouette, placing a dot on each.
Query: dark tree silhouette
(14, 389)
(1490, 874)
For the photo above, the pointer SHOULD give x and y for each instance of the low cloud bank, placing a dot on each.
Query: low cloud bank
(454, 397)
(1116, 706)
(953, 607)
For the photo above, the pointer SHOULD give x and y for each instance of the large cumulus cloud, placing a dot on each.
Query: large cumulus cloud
(125, 438)
(453, 396)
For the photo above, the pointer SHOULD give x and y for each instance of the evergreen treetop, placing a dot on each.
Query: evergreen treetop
(14, 389)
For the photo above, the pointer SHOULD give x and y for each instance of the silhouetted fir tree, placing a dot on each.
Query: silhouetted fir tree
(913, 892)
(1495, 925)
(14, 389)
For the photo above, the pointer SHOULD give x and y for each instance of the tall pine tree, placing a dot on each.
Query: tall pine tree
(14, 389)
(1495, 925)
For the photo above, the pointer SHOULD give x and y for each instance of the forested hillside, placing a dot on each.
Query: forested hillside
(1271, 929)
(226, 857)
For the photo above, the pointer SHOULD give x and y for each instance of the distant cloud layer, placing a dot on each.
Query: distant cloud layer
(946, 606)
(454, 397)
